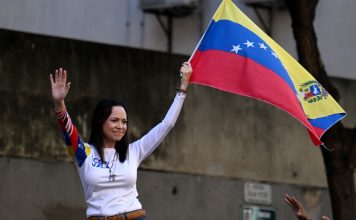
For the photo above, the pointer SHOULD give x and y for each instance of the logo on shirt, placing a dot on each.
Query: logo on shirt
(97, 162)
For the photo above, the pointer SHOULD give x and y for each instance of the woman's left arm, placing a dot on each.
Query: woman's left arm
(149, 142)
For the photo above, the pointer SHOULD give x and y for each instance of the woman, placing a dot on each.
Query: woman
(107, 164)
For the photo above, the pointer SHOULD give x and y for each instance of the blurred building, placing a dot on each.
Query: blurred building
(227, 157)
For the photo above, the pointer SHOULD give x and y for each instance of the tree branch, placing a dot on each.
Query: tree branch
(340, 162)
(309, 55)
(353, 148)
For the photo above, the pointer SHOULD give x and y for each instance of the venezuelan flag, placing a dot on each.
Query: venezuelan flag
(236, 56)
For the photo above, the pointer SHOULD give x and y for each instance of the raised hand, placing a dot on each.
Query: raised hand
(297, 207)
(185, 71)
(59, 85)
(60, 88)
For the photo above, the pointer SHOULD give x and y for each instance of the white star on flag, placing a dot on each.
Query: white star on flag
(249, 44)
(263, 46)
(274, 54)
(236, 49)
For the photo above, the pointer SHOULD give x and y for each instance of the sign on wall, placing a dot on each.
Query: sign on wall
(257, 193)
(257, 213)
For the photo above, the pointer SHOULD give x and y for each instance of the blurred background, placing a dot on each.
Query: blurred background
(228, 157)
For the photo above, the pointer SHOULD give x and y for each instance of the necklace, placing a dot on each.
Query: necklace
(112, 175)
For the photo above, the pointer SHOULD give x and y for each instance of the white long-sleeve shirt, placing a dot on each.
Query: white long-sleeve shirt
(110, 196)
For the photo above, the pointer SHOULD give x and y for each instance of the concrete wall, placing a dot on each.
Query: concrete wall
(122, 22)
(116, 22)
(223, 130)
(52, 191)
(119, 22)
(220, 140)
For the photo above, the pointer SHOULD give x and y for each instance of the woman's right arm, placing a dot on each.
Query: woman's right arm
(60, 88)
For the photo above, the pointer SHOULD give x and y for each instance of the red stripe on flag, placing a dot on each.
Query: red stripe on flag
(240, 75)
(320, 132)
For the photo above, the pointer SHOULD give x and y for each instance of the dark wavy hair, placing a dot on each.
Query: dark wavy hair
(101, 112)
